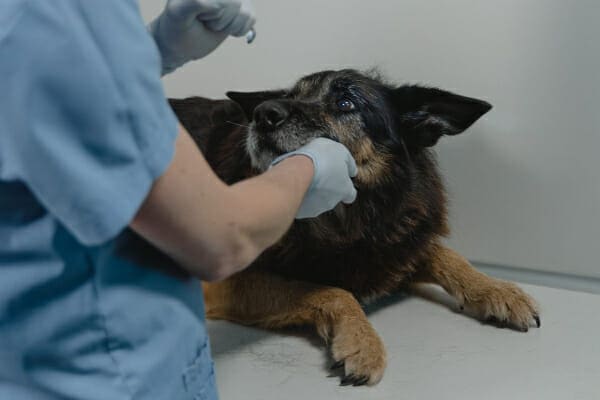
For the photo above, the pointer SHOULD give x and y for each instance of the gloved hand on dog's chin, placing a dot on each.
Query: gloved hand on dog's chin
(188, 30)
(332, 183)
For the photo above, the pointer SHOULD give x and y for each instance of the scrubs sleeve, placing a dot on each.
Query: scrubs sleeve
(84, 120)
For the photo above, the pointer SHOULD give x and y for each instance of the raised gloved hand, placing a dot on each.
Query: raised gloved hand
(191, 29)
(331, 184)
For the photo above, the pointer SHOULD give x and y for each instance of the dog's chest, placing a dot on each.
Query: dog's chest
(366, 273)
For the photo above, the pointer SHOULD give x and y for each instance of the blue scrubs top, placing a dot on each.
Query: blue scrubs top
(85, 129)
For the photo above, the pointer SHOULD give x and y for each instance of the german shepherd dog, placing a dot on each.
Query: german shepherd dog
(323, 269)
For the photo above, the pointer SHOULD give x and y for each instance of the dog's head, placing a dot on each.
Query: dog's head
(379, 123)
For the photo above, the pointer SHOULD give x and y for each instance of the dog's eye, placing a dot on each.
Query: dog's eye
(345, 105)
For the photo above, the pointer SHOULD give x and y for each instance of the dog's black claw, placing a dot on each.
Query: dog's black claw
(361, 380)
(524, 329)
(337, 365)
(348, 380)
(498, 323)
(537, 320)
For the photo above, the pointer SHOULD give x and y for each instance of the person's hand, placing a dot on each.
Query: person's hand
(332, 183)
(191, 29)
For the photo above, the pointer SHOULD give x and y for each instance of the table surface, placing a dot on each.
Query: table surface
(433, 352)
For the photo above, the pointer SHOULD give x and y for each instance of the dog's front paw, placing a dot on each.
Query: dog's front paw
(504, 304)
(359, 350)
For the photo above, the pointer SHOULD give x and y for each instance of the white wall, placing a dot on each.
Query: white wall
(525, 180)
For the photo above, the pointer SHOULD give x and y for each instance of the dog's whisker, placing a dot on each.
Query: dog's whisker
(235, 123)
(406, 153)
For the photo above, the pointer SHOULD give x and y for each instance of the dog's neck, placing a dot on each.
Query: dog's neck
(387, 214)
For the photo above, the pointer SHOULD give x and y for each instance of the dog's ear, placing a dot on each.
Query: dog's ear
(249, 100)
(425, 114)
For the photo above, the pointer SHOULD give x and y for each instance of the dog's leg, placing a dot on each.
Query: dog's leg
(490, 299)
(265, 300)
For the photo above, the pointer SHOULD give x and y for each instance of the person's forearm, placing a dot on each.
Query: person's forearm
(213, 229)
(259, 212)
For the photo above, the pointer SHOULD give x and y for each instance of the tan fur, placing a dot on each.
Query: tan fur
(381, 243)
(259, 298)
(265, 300)
(373, 165)
(487, 298)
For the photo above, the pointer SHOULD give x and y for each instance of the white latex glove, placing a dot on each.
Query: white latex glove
(331, 184)
(191, 29)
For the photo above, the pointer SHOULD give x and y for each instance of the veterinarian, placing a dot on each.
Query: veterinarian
(88, 148)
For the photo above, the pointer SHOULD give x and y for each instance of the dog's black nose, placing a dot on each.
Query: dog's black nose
(270, 114)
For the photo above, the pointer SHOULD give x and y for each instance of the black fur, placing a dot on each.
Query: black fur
(373, 245)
